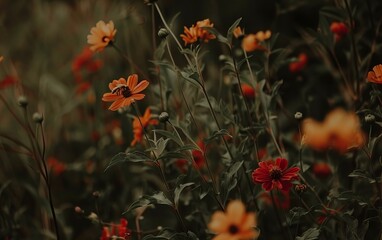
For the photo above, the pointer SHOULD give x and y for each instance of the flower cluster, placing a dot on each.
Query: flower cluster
(251, 42)
(196, 32)
(140, 124)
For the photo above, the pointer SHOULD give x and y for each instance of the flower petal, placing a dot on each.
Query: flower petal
(132, 81)
(235, 211)
(140, 87)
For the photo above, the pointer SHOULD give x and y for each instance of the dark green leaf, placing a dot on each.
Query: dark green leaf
(178, 190)
(157, 198)
(359, 173)
(217, 134)
(310, 234)
(127, 157)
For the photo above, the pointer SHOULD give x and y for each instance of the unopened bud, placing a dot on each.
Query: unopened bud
(23, 101)
(77, 209)
(222, 58)
(96, 194)
(298, 115)
(300, 188)
(37, 117)
(163, 117)
(163, 33)
(369, 118)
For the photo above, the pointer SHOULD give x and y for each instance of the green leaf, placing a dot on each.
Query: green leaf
(359, 173)
(310, 234)
(231, 30)
(178, 190)
(127, 157)
(170, 135)
(229, 180)
(157, 198)
(219, 37)
(191, 78)
(217, 134)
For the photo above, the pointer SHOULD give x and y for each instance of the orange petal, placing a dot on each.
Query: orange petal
(140, 87)
(110, 97)
(117, 104)
(219, 222)
(132, 81)
(235, 211)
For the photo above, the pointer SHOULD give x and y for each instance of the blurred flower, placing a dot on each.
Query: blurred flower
(238, 32)
(7, 81)
(282, 199)
(300, 64)
(196, 32)
(56, 166)
(339, 29)
(321, 169)
(83, 87)
(340, 130)
(137, 127)
(275, 174)
(123, 92)
(235, 224)
(1, 58)
(101, 35)
(251, 42)
(262, 36)
(375, 76)
(248, 91)
(85, 60)
(197, 155)
(116, 231)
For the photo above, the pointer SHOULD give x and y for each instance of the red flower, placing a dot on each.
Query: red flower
(297, 66)
(339, 29)
(85, 60)
(321, 170)
(275, 174)
(56, 166)
(7, 81)
(248, 91)
(116, 231)
(197, 155)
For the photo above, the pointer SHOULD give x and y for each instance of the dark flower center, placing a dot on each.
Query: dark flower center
(122, 90)
(233, 229)
(105, 39)
(275, 173)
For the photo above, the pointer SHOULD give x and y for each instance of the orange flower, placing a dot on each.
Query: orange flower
(262, 36)
(339, 29)
(123, 92)
(137, 127)
(234, 224)
(340, 130)
(298, 65)
(101, 35)
(375, 76)
(238, 32)
(194, 33)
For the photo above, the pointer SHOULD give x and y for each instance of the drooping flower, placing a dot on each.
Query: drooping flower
(196, 32)
(116, 231)
(375, 76)
(123, 92)
(298, 65)
(275, 174)
(234, 224)
(101, 35)
(340, 131)
(339, 29)
(138, 131)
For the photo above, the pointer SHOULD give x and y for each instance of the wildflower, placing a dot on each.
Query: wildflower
(340, 130)
(238, 32)
(197, 155)
(137, 127)
(196, 32)
(321, 169)
(275, 174)
(281, 199)
(300, 64)
(339, 29)
(56, 166)
(101, 35)
(248, 91)
(86, 61)
(234, 224)
(375, 76)
(8, 81)
(116, 231)
(123, 92)
(251, 42)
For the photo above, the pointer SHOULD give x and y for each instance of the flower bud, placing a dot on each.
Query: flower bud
(369, 118)
(163, 117)
(298, 115)
(300, 188)
(23, 101)
(163, 33)
(77, 209)
(37, 117)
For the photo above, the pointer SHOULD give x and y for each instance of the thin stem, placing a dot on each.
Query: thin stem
(278, 215)
(136, 68)
(172, 34)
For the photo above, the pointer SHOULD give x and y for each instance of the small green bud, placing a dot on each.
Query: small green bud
(369, 118)
(298, 115)
(23, 101)
(164, 117)
(37, 117)
(163, 33)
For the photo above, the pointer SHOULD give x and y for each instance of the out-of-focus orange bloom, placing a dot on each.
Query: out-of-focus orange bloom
(101, 35)
(123, 92)
(251, 42)
(137, 127)
(339, 29)
(248, 91)
(340, 131)
(56, 166)
(321, 169)
(116, 231)
(238, 32)
(300, 64)
(234, 224)
(375, 76)
(196, 32)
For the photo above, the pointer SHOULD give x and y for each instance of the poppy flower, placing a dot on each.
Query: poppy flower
(234, 224)
(340, 131)
(275, 174)
(196, 32)
(375, 76)
(101, 35)
(339, 29)
(137, 127)
(298, 65)
(123, 92)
